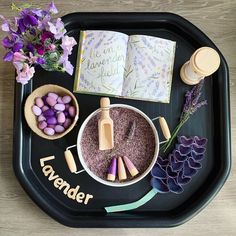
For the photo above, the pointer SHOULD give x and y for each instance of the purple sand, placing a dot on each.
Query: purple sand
(140, 149)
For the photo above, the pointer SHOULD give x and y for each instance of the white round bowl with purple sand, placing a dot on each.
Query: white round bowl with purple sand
(142, 149)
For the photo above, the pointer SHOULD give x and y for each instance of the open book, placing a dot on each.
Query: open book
(115, 64)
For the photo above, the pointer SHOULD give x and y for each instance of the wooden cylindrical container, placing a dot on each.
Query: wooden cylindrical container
(204, 62)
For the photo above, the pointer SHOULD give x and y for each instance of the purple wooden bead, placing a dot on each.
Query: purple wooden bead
(59, 129)
(36, 110)
(49, 131)
(41, 118)
(44, 108)
(39, 102)
(67, 106)
(51, 101)
(72, 111)
(59, 100)
(51, 126)
(52, 120)
(49, 113)
(67, 123)
(66, 99)
(44, 99)
(66, 113)
(53, 95)
(61, 117)
(59, 107)
(42, 124)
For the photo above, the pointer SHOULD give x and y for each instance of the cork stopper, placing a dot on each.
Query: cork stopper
(205, 61)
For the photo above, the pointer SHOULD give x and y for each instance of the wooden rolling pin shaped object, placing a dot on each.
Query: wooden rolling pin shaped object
(105, 126)
(204, 62)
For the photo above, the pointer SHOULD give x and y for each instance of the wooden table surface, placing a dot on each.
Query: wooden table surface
(19, 215)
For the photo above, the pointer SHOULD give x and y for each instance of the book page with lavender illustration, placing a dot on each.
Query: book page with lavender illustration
(103, 57)
(149, 68)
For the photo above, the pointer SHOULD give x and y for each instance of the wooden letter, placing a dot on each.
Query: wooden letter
(58, 182)
(80, 196)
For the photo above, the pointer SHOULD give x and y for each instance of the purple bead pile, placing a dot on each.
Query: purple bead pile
(54, 113)
(170, 174)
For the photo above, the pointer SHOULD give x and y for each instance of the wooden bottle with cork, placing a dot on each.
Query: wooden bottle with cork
(204, 62)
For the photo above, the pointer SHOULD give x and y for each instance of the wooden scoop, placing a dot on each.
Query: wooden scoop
(105, 126)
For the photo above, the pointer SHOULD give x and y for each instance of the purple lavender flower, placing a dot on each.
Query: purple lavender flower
(52, 8)
(8, 56)
(17, 46)
(5, 25)
(191, 105)
(34, 37)
(7, 42)
(170, 174)
(21, 26)
(46, 35)
(57, 28)
(67, 44)
(37, 12)
(30, 20)
(40, 60)
(30, 47)
(68, 67)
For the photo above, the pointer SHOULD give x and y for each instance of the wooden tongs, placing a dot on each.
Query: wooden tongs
(105, 126)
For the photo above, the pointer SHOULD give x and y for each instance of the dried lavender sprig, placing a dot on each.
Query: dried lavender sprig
(130, 132)
(128, 136)
(191, 105)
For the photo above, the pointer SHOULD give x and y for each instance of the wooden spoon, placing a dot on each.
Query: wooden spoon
(105, 126)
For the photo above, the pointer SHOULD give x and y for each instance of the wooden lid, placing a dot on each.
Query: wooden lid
(185, 79)
(205, 61)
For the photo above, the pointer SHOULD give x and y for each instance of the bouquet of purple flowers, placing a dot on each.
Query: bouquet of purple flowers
(36, 38)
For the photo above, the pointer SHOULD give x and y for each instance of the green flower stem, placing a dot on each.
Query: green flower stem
(133, 205)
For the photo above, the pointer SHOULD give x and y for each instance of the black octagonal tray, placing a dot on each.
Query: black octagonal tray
(211, 121)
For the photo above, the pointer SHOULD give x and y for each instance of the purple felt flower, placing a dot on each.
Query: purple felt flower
(162, 162)
(160, 185)
(158, 172)
(174, 186)
(194, 164)
(185, 141)
(170, 174)
(175, 164)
